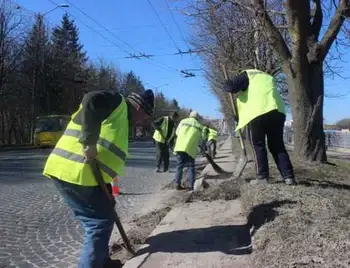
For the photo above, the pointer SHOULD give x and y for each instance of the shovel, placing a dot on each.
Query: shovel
(98, 176)
(243, 159)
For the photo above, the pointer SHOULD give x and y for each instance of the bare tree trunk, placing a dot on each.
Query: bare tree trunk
(307, 93)
(2, 126)
(9, 129)
(257, 47)
(21, 131)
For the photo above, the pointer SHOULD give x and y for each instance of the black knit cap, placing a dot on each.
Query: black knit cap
(144, 99)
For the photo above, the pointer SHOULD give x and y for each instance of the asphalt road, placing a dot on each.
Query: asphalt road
(36, 227)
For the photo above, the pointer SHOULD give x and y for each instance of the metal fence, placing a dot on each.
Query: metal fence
(334, 139)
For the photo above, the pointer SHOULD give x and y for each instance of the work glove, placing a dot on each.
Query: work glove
(90, 152)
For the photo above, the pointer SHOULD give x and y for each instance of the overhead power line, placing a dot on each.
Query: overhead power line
(139, 55)
(131, 55)
(174, 20)
(161, 66)
(189, 51)
(163, 25)
(132, 27)
(88, 26)
(102, 26)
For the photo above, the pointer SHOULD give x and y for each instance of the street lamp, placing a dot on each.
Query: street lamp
(58, 6)
(43, 14)
(40, 18)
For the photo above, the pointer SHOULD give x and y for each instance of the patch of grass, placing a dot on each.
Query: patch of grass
(300, 226)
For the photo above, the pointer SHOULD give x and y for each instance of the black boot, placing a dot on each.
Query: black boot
(290, 181)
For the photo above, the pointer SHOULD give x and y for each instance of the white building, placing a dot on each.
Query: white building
(288, 123)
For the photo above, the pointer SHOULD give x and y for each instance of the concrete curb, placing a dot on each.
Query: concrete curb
(223, 153)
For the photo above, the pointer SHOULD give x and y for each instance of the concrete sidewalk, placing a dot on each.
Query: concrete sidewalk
(200, 234)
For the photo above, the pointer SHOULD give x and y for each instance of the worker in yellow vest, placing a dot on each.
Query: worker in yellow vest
(164, 137)
(260, 105)
(189, 135)
(98, 130)
(212, 135)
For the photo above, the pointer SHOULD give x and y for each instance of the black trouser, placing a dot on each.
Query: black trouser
(162, 155)
(270, 125)
(203, 146)
(212, 146)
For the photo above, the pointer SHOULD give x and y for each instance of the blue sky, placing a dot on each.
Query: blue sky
(136, 29)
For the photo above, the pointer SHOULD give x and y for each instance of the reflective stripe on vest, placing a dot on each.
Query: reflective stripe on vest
(80, 159)
(189, 134)
(260, 98)
(66, 162)
(198, 127)
(103, 142)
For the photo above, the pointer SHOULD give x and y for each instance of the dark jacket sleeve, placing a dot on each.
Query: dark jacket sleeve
(237, 83)
(97, 106)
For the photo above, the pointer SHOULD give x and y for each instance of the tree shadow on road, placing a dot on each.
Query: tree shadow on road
(264, 213)
(324, 184)
(229, 239)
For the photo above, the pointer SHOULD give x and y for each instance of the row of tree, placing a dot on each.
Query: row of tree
(291, 40)
(41, 71)
(341, 124)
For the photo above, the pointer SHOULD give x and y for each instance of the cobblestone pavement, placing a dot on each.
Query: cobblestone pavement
(36, 227)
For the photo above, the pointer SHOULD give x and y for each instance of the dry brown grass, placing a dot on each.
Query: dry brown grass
(307, 225)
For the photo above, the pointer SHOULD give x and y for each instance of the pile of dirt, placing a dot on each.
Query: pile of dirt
(143, 227)
(300, 226)
(227, 190)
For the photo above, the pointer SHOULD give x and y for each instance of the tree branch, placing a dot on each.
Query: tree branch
(272, 32)
(276, 12)
(238, 3)
(318, 19)
(217, 5)
(333, 29)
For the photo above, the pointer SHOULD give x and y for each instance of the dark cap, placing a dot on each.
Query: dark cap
(144, 99)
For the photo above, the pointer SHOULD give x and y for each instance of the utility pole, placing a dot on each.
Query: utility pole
(36, 68)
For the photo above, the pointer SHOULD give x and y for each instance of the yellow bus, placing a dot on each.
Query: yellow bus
(49, 129)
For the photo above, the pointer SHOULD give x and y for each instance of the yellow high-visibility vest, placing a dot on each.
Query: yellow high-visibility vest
(260, 98)
(212, 134)
(66, 161)
(205, 133)
(189, 133)
(164, 131)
